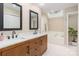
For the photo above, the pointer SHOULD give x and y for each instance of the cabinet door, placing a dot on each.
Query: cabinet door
(44, 44)
(35, 42)
(36, 51)
(22, 50)
(17, 51)
(10, 52)
(0, 53)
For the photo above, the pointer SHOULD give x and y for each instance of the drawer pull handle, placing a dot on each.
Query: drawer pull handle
(28, 49)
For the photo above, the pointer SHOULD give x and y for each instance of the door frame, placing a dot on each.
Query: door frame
(67, 15)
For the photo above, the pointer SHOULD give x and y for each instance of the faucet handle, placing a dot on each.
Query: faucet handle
(8, 37)
(1, 33)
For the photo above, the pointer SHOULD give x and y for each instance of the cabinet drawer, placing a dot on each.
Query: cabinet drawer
(36, 51)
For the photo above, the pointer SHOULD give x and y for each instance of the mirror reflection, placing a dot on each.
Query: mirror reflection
(11, 16)
(33, 20)
(72, 29)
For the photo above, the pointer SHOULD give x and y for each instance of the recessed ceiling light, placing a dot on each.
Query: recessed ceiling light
(41, 4)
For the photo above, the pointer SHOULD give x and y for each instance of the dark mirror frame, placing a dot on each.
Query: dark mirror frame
(31, 20)
(2, 18)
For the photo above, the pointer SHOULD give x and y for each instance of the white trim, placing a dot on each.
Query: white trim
(67, 29)
(71, 13)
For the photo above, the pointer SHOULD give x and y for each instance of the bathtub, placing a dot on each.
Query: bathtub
(56, 37)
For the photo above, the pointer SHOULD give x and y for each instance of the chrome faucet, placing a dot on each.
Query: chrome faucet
(13, 32)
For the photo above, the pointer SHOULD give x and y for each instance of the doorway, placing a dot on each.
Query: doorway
(72, 18)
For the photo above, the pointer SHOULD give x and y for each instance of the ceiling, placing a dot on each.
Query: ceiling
(48, 7)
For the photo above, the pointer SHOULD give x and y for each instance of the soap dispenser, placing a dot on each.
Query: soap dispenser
(1, 37)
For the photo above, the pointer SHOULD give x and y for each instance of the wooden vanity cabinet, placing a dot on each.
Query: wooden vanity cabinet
(20, 50)
(32, 47)
(10, 52)
(0, 52)
(35, 47)
(38, 46)
(43, 44)
(17, 51)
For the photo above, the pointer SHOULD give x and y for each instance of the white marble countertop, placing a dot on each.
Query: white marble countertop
(20, 38)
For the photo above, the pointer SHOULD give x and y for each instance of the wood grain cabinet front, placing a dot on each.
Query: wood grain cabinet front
(33, 47)
(22, 50)
(36, 51)
(43, 44)
(35, 42)
(0, 53)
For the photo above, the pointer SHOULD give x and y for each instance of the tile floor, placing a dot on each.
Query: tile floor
(57, 50)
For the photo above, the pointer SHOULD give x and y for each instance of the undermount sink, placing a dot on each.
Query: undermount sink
(24, 36)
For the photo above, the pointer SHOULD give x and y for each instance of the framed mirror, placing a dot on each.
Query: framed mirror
(33, 20)
(11, 15)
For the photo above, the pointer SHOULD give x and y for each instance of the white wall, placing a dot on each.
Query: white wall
(56, 24)
(56, 29)
(25, 17)
(44, 23)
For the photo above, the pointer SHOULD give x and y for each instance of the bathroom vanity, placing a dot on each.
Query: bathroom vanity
(34, 45)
